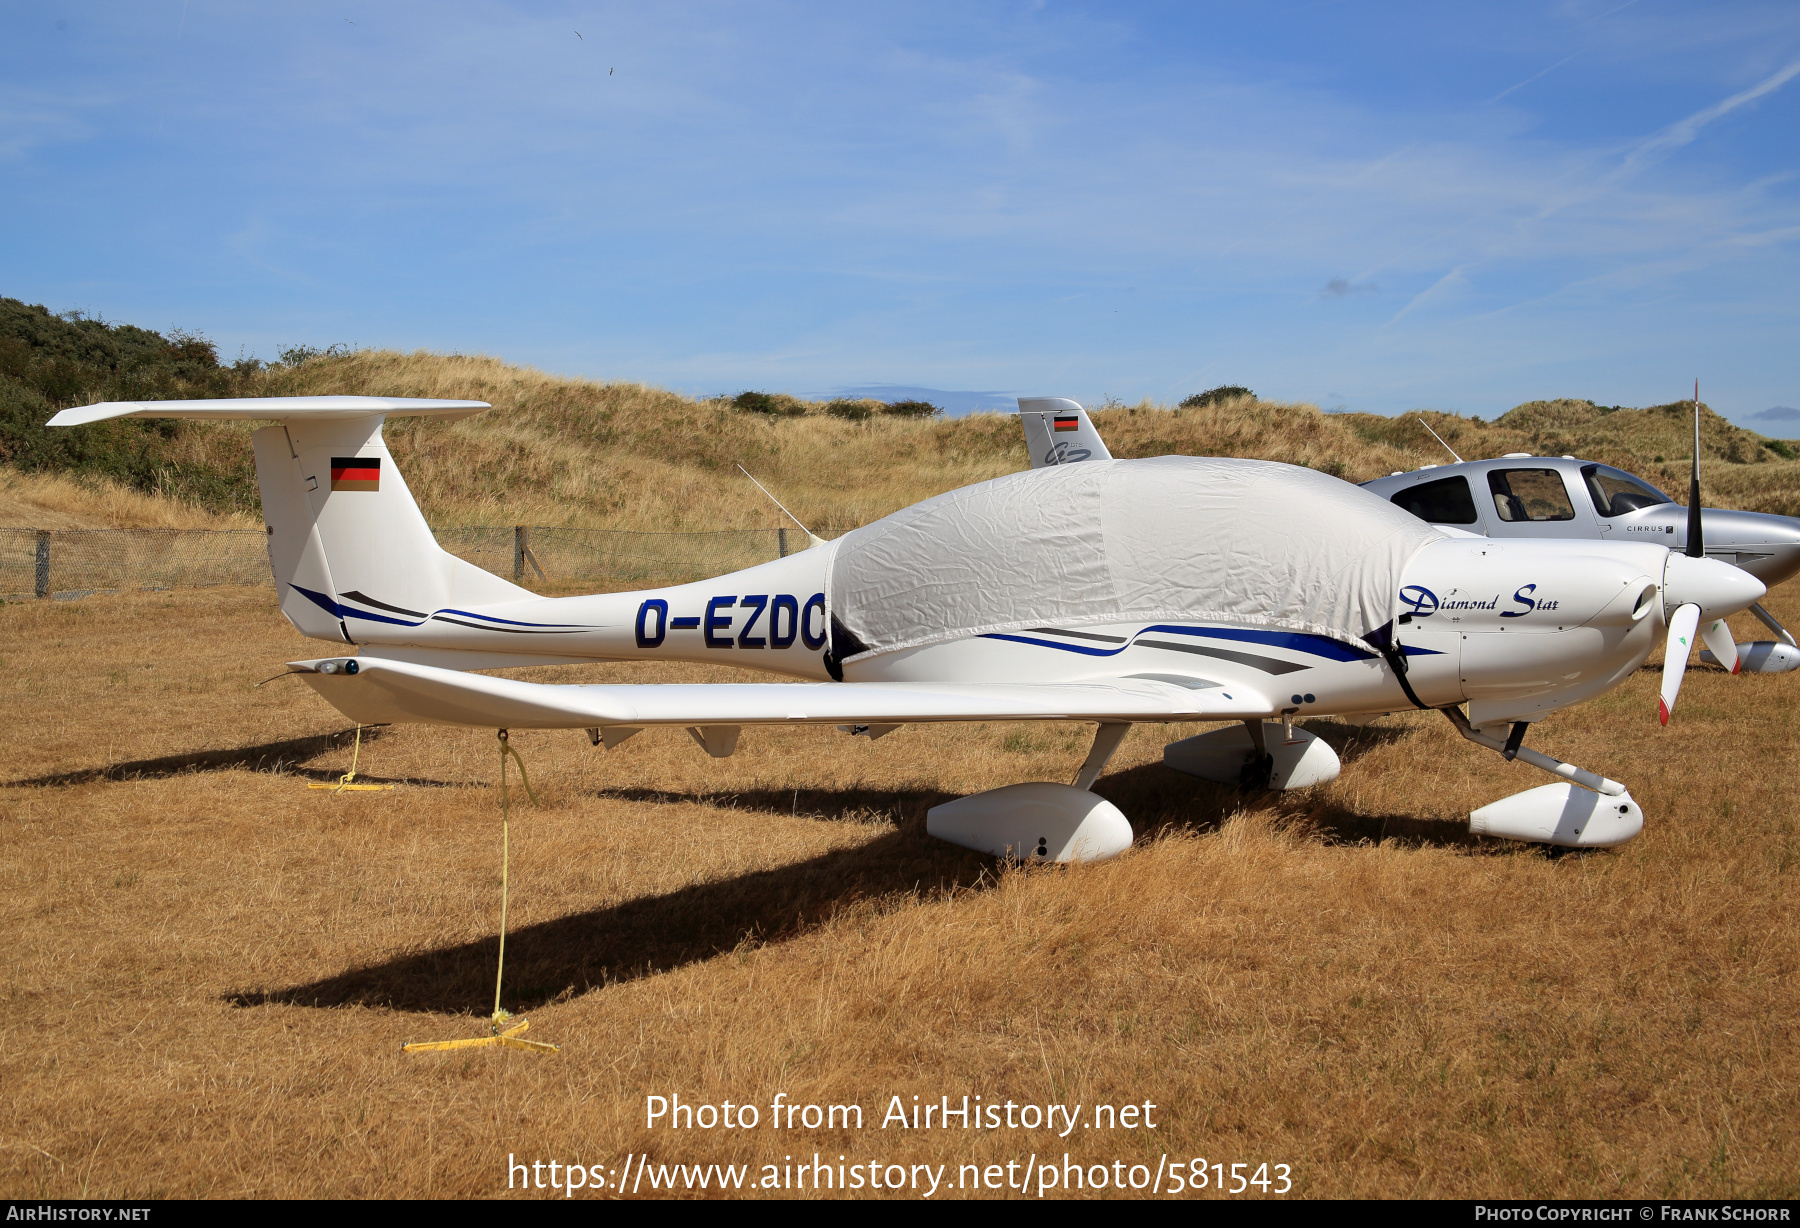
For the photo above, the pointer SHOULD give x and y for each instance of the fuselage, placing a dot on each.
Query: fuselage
(1517, 629)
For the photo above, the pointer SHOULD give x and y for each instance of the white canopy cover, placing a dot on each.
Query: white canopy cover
(1172, 537)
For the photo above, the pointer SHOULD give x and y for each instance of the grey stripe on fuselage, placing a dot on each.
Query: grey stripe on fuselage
(1268, 665)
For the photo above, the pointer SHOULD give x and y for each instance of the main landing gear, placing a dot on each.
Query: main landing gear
(1583, 811)
(1041, 821)
(1256, 755)
(1055, 822)
(1776, 656)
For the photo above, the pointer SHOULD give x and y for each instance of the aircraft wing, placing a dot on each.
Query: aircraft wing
(396, 692)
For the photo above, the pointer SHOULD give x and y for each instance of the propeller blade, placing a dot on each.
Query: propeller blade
(1696, 542)
(1718, 638)
(1675, 656)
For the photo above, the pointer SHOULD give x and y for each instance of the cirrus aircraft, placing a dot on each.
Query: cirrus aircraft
(1171, 589)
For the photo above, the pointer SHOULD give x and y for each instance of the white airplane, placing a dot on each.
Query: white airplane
(1185, 589)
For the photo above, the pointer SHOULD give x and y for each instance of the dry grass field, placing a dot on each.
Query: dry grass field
(210, 967)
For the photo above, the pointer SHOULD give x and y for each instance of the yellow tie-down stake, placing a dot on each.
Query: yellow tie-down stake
(510, 1035)
(344, 780)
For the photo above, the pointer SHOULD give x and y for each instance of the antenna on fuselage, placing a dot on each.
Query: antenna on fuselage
(1440, 439)
(812, 539)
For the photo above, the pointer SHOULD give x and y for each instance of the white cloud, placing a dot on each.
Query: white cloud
(30, 121)
(1685, 131)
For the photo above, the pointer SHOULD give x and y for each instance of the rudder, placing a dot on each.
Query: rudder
(1058, 432)
(343, 527)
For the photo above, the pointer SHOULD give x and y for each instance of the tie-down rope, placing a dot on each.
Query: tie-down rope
(509, 1036)
(344, 781)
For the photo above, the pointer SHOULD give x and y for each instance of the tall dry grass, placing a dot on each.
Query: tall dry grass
(587, 454)
(210, 971)
(627, 456)
(59, 501)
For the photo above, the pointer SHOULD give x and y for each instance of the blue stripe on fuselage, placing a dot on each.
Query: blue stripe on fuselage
(1080, 648)
(1298, 641)
(340, 610)
(1313, 645)
(512, 622)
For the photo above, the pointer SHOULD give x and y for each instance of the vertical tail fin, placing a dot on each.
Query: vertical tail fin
(345, 536)
(1058, 432)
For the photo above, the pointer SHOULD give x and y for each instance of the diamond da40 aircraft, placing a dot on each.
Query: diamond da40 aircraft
(1173, 589)
(1563, 496)
(1522, 495)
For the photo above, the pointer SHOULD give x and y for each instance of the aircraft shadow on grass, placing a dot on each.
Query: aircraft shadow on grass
(653, 934)
(859, 804)
(1333, 822)
(1166, 800)
(1175, 802)
(286, 756)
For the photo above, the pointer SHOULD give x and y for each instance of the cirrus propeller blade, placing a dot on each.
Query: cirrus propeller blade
(1675, 656)
(1724, 649)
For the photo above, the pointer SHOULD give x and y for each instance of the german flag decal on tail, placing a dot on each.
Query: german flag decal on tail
(1062, 422)
(355, 473)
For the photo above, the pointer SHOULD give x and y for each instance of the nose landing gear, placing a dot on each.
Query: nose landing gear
(1597, 814)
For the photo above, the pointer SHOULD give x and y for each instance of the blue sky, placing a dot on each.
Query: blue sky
(1372, 207)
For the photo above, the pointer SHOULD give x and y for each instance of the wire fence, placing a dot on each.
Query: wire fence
(614, 556)
(68, 563)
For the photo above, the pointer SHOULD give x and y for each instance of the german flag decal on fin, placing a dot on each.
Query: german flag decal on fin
(355, 473)
(1064, 422)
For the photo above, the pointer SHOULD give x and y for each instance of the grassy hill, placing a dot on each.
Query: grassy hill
(601, 455)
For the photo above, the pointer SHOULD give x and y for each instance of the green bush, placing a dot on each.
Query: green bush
(50, 362)
(294, 355)
(755, 402)
(854, 410)
(911, 409)
(1781, 448)
(1214, 396)
(774, 404)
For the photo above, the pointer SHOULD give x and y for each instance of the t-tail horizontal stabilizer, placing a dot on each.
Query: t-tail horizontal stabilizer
(272, 409)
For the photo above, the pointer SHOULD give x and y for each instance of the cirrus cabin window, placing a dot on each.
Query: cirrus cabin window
(1616, 492)
(1445, 501)
(1530, 494)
